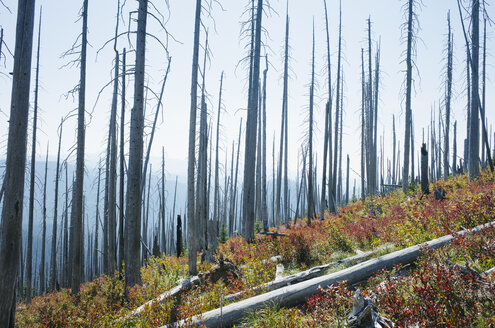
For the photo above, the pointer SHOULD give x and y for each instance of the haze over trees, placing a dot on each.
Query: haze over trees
(111, 215)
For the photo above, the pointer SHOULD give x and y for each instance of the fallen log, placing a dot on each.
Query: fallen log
(300, 276)
(174, 292)
(298, 293)
(274, 234)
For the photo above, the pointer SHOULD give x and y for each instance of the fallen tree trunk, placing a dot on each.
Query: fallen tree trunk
(298, 293)
(174, 292)
(300, 276)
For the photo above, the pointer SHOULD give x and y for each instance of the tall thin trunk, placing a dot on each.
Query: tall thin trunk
(394, 150)
(448, 97)
(264, 206)
(337, 108)
(347, 182)
(122, 164)
(76, 238)
(162, 212)
(192, 222)
(311, 206)
(133, 209)
(216, 195)
(363, 130)
(407, 138)
(283, 121)
(234, 195)
(15, 163)
(454, 151)
(483, 96)
(250, 154)
(43, 234)
(474, 133)
(327, 142)
(96, 272)
(53, 256)
(29, 256)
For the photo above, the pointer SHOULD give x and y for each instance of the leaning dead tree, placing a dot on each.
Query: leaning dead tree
(15, 162)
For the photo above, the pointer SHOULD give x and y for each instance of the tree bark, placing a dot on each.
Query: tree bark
(248, 214)
(474, 133)
(407, 138)
(133, 208)
(15, 163)
(43, 237)
(192, 222)
(29, 256)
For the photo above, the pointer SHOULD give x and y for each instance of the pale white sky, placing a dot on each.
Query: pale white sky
(60, 29)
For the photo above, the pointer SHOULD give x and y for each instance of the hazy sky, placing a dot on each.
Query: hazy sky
(61, 27)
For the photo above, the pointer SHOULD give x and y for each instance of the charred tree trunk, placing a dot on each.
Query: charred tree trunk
(474, 130)
(192, 222)
(250, 154)
(121, 165)
(76, 238)
(29, 256)
(53, 256)
(15, 162)
(409, 53)
(43, 236)
(311, 206)
(133, 209)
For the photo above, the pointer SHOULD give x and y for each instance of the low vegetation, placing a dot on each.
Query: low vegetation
(447, 287)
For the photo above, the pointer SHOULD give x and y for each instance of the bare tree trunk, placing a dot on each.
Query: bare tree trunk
(250, 154)
(96, 272)
(234, 194)
(216, 195)
(454, 151)
(43, 237)
(483, 95)
(448, 97)
(283, 121)
(29, 256)
(76, 240)
(66, 265)
(112, 183)
(53, 256)
(407, 138)
(122, 168)
(133, 209)
(424, 170)
(192, 222)
(327, 143)
(311, 206)
(363, 129)
(347, 182)
(15, 163)
(337, 107)
(474, 133)
(264, 206)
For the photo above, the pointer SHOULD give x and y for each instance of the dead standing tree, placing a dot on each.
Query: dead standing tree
(15, 162)
(410, 29)
(248, 212)
(191, 208)
(29, 253)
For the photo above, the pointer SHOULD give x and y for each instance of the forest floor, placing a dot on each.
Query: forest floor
(447, 287)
